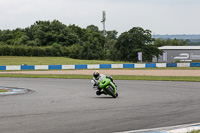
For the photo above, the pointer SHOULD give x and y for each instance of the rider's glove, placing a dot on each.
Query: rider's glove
(96, 84)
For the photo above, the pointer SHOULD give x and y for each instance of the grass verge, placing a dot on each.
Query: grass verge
(19, 60)
(3, 90)
(116, 77)
(198, 131)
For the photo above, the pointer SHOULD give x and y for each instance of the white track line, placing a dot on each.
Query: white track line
(173, 129)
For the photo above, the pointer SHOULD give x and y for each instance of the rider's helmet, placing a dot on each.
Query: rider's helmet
(96, 74)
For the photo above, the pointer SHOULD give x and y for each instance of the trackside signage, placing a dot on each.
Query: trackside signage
(187, 57)
(140, 56)
(164, 56)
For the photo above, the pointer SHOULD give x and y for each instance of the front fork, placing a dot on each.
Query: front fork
(114, 87)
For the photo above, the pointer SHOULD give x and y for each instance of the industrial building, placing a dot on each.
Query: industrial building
(179, 54)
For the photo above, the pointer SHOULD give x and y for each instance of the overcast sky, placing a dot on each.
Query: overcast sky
(159, 16)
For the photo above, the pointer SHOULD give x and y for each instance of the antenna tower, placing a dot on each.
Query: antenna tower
(103, 21)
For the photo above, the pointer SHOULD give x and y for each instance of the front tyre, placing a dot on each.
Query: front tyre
(116, 94)
(111, 92)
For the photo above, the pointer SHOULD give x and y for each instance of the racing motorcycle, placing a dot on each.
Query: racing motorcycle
(107, 86)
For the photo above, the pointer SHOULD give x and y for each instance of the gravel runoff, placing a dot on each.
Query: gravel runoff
(115, 72)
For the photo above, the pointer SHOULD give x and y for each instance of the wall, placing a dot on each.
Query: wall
(97, 66)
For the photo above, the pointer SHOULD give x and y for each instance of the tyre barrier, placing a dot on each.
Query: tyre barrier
(97, 66)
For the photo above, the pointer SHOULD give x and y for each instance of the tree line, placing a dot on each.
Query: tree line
(53, 38)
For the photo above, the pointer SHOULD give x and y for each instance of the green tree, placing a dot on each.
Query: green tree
(47, 33)
(169, 42)
(22, 40)
(133, 41)
(92, 28)
(92, 50)
(75, 51)
(79, 32)
(111, 52)
(10, 37)
(111, 35)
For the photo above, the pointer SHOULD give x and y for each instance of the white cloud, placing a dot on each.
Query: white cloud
(159, 16)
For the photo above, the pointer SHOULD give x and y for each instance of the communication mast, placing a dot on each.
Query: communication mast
(103, 21)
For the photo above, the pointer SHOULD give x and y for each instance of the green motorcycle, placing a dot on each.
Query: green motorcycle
(107, 85)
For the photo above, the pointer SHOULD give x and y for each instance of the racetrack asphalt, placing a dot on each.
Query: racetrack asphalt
(71, 106)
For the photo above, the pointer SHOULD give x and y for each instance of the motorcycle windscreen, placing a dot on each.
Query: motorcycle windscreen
(101, 79)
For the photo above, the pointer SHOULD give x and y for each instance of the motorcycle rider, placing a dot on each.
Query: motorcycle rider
(96, 77)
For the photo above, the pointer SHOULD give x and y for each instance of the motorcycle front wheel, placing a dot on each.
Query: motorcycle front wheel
(111, 92)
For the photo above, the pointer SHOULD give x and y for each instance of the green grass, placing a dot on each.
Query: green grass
(19, 60)
(198, 131)
(3, 90)
(115, 77)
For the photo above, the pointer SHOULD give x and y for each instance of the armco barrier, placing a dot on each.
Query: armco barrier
(2, 67)
(150, 65)
(128, 66)
(27, 67)
(116, 65)
(105, 66)
(139, 65)
(97, 66)
(80, 66)
(171, 64)
(194, 64)
(41, 67)
(55, 66)
(13, 67)
(183, 64)
(161, 64)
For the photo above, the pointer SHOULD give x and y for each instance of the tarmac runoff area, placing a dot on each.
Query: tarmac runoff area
(13, 90)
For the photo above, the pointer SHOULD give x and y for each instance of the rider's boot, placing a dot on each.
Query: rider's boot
(100, 92)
